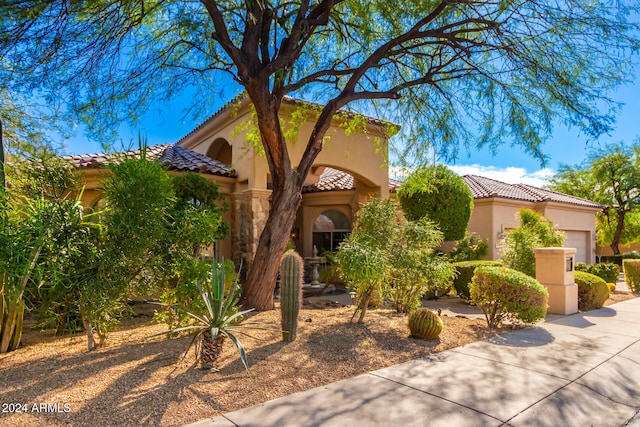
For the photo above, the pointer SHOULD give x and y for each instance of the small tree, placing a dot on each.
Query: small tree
(611, 176)
(534, 231)
(387, 254)
(363, 259)
(439, 194)
(416, 268)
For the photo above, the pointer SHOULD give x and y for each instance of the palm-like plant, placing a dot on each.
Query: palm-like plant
(220, 319)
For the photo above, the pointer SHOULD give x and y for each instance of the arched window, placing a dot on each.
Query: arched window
(330, 229)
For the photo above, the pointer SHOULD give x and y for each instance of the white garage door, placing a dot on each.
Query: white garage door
(578, 240)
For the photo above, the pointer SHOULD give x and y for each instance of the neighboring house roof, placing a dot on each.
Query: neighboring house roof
(484, 188)
(172, 156)
(337, 180)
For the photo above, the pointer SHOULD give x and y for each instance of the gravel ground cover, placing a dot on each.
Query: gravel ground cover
(138, 380)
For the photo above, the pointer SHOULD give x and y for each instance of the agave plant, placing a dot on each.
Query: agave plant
(220, 319)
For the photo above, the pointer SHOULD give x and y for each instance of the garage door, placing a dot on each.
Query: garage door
(578, 240)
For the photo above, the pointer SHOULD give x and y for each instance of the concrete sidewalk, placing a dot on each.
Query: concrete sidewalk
(579, 370)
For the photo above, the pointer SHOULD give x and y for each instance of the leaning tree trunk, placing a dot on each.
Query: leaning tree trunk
(257, 291)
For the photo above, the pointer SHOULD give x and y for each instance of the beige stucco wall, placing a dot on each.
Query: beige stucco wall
(496, 215)
(362, 155)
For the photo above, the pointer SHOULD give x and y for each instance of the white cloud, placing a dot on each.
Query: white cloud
(510, 175)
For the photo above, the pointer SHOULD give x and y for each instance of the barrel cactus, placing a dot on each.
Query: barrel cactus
(291, 271)
(425, 324)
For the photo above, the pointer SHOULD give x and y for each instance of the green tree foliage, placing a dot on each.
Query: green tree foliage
(470, 248)
(534, 231)
(416, 267)
(610, 176)
(363, 259)
(78, 271)
(393, 257)
(439, 194)
(454, 73)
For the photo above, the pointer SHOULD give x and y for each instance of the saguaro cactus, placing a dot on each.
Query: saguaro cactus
(291, 271)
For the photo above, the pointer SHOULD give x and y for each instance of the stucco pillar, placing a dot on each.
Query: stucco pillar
(555, 270)
(249, 213)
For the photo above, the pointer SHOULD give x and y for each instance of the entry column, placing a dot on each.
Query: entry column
(249, 214)
(555, 270)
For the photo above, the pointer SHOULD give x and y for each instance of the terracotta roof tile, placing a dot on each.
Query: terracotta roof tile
(483, 188)
(173, 157)
(331, 180)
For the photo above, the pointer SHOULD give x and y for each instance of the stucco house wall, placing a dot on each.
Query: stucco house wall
(350, 170)
(496, 205)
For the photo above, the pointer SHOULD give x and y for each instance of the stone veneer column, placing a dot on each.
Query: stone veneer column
(249, 213)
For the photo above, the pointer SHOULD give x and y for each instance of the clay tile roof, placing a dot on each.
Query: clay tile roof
(173, 157)
(483, 188)
(336, 180)
(331, 180)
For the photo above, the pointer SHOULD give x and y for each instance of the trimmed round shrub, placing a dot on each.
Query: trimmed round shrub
(505, 293)
(612, 287)
(425, 324)
(464, 274)
(592, 291)
(607, 271)
(631, 269)
(438, 193)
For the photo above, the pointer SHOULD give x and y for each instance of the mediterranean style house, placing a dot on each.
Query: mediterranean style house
(350, 170)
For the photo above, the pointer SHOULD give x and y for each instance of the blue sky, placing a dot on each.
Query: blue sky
(165, 123)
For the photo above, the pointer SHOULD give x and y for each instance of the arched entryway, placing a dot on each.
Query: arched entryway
(330, 228)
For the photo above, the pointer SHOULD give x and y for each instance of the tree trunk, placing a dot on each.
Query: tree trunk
(286, 198)
(257, 291)
(11, 316)
(91, 341)
(615, 242)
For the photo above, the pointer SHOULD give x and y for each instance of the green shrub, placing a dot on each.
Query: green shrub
(607, 271)
(617, 259)
(592, 291)
(505, 293)
(464, 273)
(534, 231)
(436, 192)
(417, 269)
(631, 269)
(471, 248)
